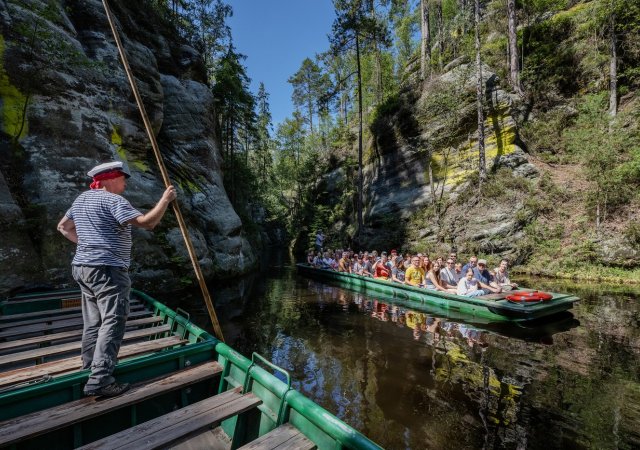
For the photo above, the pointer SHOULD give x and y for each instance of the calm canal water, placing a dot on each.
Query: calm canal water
(409, 379)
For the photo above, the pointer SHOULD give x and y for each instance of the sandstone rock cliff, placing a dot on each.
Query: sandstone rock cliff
(423, 154)
(67, 105)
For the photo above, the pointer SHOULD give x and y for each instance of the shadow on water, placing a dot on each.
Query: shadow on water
(409, 378)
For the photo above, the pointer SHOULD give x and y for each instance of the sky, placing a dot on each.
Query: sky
(276, 36)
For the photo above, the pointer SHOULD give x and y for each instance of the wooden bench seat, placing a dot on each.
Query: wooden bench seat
(171, 427)
(52, 319)
(53, 350)
(47, 338)
(68, 365)
(50, 312)
(25, 427)
(57, 326)
(64, 293)
(286, 436)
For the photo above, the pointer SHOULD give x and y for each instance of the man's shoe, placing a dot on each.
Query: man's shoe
(110, 390)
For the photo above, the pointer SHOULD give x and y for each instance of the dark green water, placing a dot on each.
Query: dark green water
(409, 379)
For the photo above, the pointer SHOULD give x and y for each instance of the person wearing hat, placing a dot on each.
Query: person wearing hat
(99, 222)
(482, 274)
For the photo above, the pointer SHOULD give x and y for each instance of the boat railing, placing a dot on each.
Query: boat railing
(281, 403)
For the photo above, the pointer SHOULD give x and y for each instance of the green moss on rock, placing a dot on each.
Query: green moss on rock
(13, 102)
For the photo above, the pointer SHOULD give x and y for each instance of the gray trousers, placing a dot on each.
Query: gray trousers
(105, 307)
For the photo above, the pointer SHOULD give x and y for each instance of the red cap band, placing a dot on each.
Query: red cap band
(111, 175)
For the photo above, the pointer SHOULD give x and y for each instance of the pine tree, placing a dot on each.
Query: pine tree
(353, 29)
(309, 84)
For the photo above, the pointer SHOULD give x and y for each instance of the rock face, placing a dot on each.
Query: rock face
(67, 105)
(426, 148)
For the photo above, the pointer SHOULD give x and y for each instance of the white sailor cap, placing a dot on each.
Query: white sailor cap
(108, 167)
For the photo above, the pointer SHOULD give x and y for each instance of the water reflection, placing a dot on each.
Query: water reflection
(409, 378)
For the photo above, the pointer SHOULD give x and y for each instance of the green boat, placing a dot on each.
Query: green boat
(189, 390)
(487, 308)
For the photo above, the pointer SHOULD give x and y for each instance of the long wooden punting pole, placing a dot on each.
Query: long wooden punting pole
(165, 176)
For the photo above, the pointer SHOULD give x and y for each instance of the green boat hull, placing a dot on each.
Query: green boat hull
(280, 403)
(485, 310)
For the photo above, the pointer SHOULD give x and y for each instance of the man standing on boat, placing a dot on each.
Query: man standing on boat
(99, 222)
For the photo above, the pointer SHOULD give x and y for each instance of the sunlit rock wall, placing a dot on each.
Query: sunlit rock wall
(66, 105)
(442, 122)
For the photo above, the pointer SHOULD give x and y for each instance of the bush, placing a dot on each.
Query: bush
(632, 234)
(504, 184)
(543, 135)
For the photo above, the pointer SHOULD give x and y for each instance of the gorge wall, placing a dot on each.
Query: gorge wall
(66, 106)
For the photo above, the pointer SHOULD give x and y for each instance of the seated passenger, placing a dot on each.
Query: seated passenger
(334, 260)
(469, 286)
(381, 269)
(426, 263)
(310, 257)
(344, 264)
(459, 272)
(367, 261)
(397, 271)
(501, 276)
(448, 275)
(473, 261)
(482, 274)
(317, 260)
(326, 262)
(432, 279)
(414, 275)
(358, 266)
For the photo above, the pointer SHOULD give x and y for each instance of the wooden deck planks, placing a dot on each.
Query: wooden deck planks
(73, 346)
(50, 312)
(59, 325)
(36, 340)
(31, 425)
(52, 319)
(284, 437)
(171, 427)
(27, 374)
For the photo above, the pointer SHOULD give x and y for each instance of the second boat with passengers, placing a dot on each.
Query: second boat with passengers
(495, 307)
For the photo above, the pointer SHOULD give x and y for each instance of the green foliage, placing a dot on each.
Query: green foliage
(309, 89)
(504, 184)
(632, 234)
(609, 152)
(387, 108)
(202, 23)
(544, 134)
(550, 62)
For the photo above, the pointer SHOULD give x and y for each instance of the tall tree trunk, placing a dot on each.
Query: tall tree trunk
(310, 107)
(378, 62)
(482, 167)
(232, 161)
(360, 174)
(440, 24)
(425, 41)
(246, 145)
(613, 67)
(514, 69)
(464, 9)
(343, 104)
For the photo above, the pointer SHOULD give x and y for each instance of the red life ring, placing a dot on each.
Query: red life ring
(528, 297)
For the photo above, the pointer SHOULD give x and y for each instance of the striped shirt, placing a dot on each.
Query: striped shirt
(104, 237)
